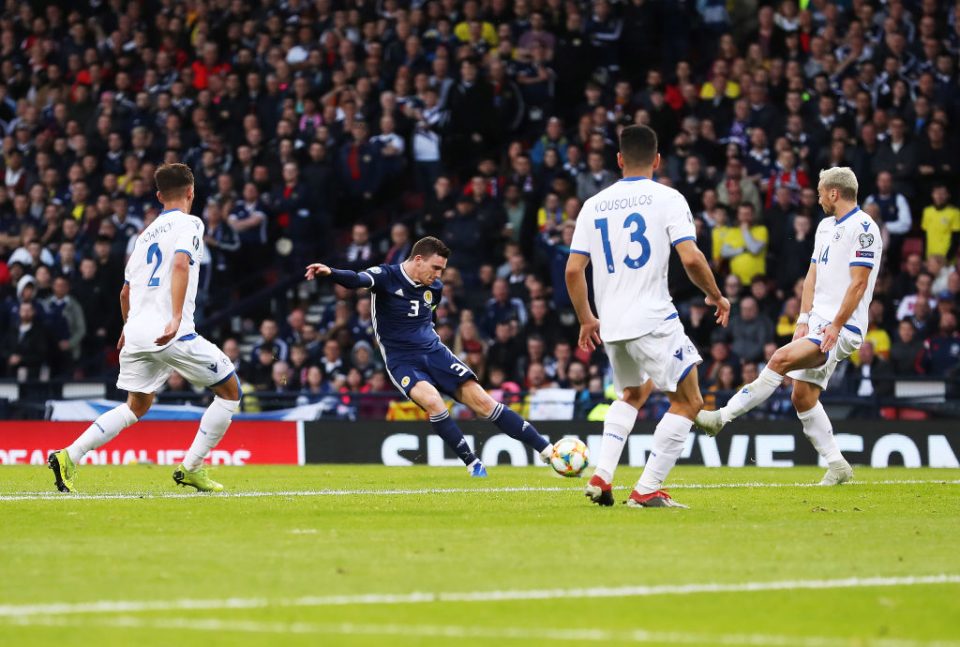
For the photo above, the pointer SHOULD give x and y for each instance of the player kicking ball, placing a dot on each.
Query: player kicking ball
(627, 231)
(837, 292)
(403, 298)
(158, 301)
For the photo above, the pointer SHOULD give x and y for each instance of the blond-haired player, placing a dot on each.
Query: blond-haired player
(833, 317)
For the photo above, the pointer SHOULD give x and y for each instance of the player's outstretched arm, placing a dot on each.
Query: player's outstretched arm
(179, 277)
(576, 278)
(346, 278)
(697, 268)
(859, 278)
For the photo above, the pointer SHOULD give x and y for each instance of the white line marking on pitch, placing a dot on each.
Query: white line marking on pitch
(462, 632)
(131, 606)
(50, 496)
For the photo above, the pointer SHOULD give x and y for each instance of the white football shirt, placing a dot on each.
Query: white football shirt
(627, 230)
(841, 243)
(148, 274)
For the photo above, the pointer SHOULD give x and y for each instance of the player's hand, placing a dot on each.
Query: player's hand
(802, 331)
(723, 309)
(168, 333)
(121, 341)
(315, 270)
(590, 334)
(830, 335)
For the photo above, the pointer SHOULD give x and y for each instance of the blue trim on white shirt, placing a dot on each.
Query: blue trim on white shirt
(577, 251)
(813, 260)
(673, 316)
(188, 337)
(860, 264)
(185, 251)
(815, 341)
(853, 329)
(680, 240)
(167, 211)
(848, 214)
(634, 178)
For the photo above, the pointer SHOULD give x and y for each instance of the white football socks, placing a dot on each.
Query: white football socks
(668, 440)
(213, 425)
(751, 395)
(817, 427)
(617, 425)
(103, 430)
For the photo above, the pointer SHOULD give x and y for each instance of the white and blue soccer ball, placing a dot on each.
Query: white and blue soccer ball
(570, 457)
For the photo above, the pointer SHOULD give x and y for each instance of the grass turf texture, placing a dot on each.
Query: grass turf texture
(276, 548)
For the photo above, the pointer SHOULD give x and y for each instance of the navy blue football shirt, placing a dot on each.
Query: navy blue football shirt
(402, 310)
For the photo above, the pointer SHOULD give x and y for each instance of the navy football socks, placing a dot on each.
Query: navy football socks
(514, 426)
(446, 428)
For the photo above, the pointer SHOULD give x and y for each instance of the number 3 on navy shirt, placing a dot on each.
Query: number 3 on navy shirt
(639, 225)
(414, 308)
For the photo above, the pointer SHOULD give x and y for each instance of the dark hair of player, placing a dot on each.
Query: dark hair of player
(638, 145)
(173, 180)
(428, 246)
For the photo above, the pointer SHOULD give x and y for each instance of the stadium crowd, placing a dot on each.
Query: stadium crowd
(342, 131)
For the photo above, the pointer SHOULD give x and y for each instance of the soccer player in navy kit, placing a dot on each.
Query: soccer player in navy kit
(403, 299)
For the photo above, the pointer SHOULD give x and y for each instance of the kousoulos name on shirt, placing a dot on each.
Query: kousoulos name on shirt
(628, 202)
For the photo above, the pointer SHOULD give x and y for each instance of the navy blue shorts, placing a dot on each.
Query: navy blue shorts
(439, 367)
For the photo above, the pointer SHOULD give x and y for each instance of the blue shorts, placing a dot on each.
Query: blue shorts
(439, 367)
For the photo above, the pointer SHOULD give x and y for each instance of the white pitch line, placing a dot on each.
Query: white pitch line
(459, 632)
(49, 496)
(187, 604)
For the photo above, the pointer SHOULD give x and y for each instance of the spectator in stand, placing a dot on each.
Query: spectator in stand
(941, 225)
(502, 307)
(61, 306)
(749, 331)
(905, 282)
(871, 376)
(924, 292)
(595, 179)
(399, 245)
(894, 216)
(270, 339)
(906, 350)
(333, 365)
(941, 352)
(359, 254)
(745, 245)
(786, 174)
(25, 348)
(898, 156)
(504, 353)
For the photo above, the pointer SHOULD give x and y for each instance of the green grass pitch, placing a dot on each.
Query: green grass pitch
(519, 558)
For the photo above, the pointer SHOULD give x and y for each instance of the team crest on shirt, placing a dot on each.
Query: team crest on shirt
(375, 270)
(428, 297)
(839, 234)
(405, 382)
(865, 240)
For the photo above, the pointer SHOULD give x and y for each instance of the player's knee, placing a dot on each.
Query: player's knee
(779, 361)
(432, 404)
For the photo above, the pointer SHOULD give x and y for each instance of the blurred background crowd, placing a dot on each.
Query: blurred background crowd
(343, 131)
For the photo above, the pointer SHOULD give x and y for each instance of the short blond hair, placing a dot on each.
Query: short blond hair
(841, 178)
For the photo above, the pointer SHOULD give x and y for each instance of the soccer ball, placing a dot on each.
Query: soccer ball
(570, 457)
